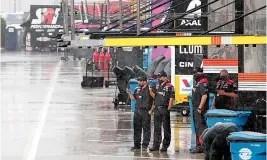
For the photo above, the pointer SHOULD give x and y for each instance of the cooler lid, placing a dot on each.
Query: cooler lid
(133, 81)
(211, 95)
(247, 136)
(226, 113)
(221, 112)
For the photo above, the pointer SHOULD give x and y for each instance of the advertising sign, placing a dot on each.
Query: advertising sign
(186, 84)
(46, 16)
(187, 58)
(193, 20)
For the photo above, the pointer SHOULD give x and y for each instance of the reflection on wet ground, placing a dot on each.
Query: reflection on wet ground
(46, 115)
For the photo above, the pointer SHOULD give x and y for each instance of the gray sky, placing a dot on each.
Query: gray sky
(24, 5)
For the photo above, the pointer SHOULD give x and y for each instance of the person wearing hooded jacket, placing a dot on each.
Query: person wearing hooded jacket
(200, 100)
(214, 141)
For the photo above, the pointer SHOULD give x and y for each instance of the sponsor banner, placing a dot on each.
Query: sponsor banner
(46, 16)
(45, 22)
(187, 58)
(186, 84)
(190, 21)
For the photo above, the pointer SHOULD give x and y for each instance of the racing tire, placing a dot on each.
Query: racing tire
(66, 58)
(185, 112)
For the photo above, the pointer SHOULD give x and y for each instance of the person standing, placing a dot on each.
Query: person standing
(200, 100)
(142, 118)
(226, 92)
(164, 96)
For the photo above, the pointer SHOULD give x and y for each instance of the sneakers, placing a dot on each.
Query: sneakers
(135, 148)
(196, 150)
(163, 149)
(153, 149)
(144, 148)
(138, 148)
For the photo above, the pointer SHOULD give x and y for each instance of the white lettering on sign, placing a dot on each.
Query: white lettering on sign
(193, 4)
(186, 64)
(191, 23)
(190, 50)
(46, 16)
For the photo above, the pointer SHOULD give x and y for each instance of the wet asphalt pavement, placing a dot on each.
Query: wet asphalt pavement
(46, 115)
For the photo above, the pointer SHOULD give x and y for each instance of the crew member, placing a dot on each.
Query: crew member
(200, 96)
(142, 118)
(214, 141)
(164, 98)
(226, 92)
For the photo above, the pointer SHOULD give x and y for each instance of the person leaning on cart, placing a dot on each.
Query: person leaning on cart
(226, 92)
(142, 117)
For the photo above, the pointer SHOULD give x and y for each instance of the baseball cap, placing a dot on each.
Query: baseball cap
(162, 74)
(142, 78)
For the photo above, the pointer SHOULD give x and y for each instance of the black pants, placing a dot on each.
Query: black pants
(200, 126)
(217, 148)
(162, 115)
(142, 121)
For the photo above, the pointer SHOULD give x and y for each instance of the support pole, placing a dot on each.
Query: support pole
(94, 11)
(138, 16)
(15, 6)
(72, 20)
(82, 11)
(121, 27)
(108, 13)
(87, 11)
(204, 21)
(239, 29)
(66, 16)
(101, 16)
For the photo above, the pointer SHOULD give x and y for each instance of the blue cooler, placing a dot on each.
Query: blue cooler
(247, 145)
(191, 115)
(133, 84)
(152, 82)
(211, 100)
(193, 132)
(222, 115)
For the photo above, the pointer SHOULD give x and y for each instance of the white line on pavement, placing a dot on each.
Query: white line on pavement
(36, 138)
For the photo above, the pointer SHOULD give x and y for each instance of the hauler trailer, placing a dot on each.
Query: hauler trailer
(45, 21)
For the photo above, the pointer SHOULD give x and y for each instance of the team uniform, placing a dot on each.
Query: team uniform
(225, 102)
(200, 89)
(163, 93)
(142, 119)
